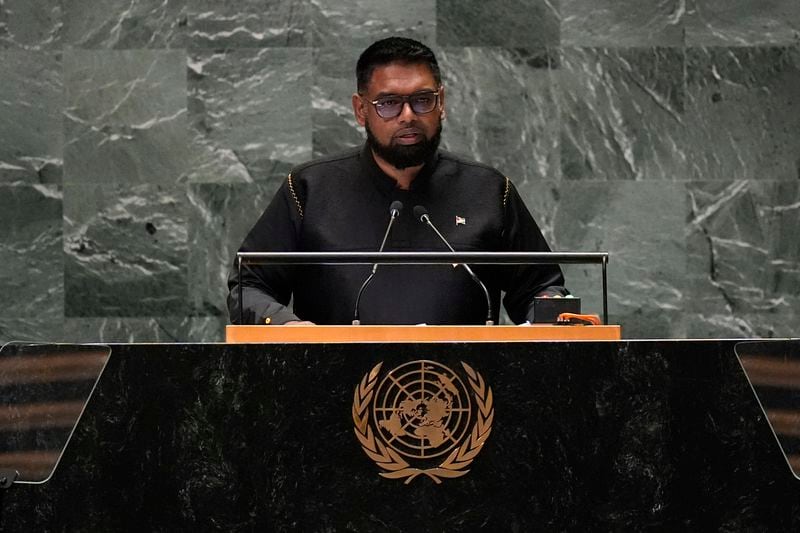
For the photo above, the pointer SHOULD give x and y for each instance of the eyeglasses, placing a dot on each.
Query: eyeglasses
(392, 105)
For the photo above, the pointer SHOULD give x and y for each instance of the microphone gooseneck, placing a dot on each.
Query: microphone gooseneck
(395, 209)
(422, 215)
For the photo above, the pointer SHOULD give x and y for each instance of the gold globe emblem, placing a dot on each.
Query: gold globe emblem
(422, 411)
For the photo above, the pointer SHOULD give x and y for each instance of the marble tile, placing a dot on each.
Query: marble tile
(125, 116)
(35, 329)
(158, 329)
(347, 23)
(501, 109)
(249, 23)
(124, 24)
(622, 22)
(250, 112)
(125, 250)
(30, 24)
(511, 23)
(743, 119)
(31, 102)
(622, 114)
(742, 22)
(219, 219)
(31, 277)
(744, 258)
(334, 127)
(642, 226)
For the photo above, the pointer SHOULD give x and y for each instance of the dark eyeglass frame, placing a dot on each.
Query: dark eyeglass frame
(406, 99)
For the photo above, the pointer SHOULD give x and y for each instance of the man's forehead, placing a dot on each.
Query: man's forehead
(398, 75)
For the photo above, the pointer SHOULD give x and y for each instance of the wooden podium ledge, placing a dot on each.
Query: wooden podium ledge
(356, 334)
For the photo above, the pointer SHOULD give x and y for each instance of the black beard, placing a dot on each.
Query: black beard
(402, 156)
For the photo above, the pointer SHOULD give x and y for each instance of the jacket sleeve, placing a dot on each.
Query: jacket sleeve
(267, 289)
(524, 282)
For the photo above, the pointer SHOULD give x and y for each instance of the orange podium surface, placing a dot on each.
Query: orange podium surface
(354, 334)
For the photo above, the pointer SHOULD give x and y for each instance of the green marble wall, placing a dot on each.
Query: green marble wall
(140, 139)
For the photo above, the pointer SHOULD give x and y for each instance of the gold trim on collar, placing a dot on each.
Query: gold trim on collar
(294, 195)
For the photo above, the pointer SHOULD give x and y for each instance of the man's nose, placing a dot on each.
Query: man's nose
(406, 113)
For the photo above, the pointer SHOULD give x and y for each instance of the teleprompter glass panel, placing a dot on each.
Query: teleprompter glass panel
(773, 370)
(44, 389)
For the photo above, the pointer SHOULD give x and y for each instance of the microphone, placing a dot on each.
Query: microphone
(395, 209)
(422, 215)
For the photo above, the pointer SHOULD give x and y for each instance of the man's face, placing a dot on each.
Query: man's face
(409, 138)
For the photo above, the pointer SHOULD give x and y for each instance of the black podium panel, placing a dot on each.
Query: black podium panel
(584, 435)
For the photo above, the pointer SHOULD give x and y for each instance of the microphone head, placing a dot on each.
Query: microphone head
(420, 212)
(396, 208)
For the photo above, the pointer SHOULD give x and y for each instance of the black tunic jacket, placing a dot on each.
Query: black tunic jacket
(341, 203)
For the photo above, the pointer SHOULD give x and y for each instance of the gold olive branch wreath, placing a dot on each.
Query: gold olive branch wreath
(396, 467)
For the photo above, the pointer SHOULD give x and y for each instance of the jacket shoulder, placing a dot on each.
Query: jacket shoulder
(319, 175)
(322, 165)
(477, 176)
(470, 166)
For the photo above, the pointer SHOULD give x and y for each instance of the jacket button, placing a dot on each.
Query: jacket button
(268, 320)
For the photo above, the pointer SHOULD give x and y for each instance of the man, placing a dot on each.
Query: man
(342, 203)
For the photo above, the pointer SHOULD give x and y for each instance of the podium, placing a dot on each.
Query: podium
(422, 333)
(560, 435)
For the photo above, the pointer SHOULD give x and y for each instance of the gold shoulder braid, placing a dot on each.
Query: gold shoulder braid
(505, 193)
(294, 195)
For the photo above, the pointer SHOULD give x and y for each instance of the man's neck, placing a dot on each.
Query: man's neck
(403, 177)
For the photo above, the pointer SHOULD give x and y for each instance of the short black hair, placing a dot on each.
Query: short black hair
(394, 50)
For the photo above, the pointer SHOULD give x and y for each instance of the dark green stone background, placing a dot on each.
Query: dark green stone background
(140, 139)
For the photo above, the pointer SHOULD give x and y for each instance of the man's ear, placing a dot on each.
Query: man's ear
(359, 109)
(442, 111)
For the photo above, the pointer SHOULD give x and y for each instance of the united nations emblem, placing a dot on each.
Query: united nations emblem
(422, 419)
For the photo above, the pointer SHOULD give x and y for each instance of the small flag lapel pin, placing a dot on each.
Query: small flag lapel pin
(461, 221)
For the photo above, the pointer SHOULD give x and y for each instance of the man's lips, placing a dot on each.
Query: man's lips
(408, 135)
